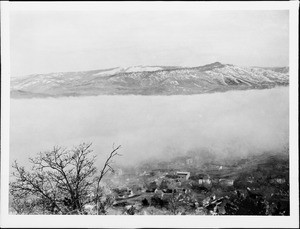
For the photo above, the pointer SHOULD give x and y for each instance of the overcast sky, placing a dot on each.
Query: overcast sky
(59, 41)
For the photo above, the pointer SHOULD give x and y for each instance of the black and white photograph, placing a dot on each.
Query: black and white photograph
(186, 111)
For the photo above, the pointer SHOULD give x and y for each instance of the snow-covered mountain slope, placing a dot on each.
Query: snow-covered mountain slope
(140, 68)
(150, 80)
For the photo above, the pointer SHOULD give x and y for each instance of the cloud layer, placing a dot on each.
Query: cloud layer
(237, 122)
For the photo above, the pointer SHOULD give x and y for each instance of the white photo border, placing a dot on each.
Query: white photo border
(91, 221)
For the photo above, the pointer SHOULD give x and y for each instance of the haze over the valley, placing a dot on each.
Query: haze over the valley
(235, 122)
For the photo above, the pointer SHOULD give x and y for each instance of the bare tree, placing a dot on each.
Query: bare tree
(62, 180)
(23, 204)
(107, 167)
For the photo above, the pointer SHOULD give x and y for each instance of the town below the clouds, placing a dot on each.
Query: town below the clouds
(202, 183)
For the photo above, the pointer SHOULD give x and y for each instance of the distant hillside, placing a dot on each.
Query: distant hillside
(149, 80)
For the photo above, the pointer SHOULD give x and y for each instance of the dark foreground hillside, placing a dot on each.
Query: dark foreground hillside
(195, 184)
(257, 185)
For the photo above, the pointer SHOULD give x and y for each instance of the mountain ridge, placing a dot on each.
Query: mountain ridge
(150, 80)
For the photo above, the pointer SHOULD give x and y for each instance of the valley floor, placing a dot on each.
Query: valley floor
(258, 185)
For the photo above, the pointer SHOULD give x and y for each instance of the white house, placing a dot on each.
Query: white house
(183, 175)
(226, 182)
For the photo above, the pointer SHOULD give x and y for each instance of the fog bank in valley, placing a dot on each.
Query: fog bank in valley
(231, 123)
